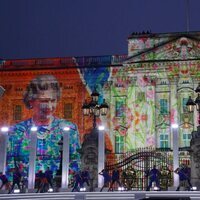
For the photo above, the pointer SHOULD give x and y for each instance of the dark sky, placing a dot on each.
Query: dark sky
(61, 28)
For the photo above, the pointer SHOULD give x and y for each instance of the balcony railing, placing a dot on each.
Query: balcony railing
(86, 61)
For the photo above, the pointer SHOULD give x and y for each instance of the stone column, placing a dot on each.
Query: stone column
(173, 101)
(174, 127)
(3, 149)
(101, 157)
(175, 153)
(65, 160)
(32, 160)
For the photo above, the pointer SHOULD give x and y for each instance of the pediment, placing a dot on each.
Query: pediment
(180, 48)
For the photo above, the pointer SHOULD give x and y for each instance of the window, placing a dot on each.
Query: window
(17, 113)
(119, 144)
(140, 96)
(68, 110)
(186, 139)
(164, 142)
(163, 106)
(185, 110)
(120, 106)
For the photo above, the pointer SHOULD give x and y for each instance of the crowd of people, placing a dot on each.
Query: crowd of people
(153, 175)
(16, 180)
(110, 180)
(44, 180)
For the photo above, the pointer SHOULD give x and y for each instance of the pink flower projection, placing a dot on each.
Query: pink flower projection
(122, 125)
(150, 94)
(172, 116)
(150, 140)
(146, 80)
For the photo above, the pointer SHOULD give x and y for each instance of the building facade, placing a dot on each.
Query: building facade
(146, 90)
(149, 92)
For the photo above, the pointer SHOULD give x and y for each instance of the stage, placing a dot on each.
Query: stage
(125, 195)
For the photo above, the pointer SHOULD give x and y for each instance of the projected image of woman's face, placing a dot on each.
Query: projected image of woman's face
(44, 106)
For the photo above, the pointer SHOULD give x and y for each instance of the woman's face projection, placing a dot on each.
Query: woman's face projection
(44, 105)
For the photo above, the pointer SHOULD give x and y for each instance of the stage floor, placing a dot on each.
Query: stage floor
(133, 195)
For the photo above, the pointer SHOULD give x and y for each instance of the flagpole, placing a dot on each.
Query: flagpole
(187, 16)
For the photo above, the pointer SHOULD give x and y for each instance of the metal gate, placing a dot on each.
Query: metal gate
(133, 166)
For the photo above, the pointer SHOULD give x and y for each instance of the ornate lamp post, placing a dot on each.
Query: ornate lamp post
(94, 109)
(191, 104)
(93, 146)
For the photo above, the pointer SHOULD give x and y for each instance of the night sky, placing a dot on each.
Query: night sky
(62, 28)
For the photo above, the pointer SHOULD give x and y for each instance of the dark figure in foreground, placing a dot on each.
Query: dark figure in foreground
(129, 177)
(106, 177)
(42, 183)
(165, 177)
(85, 177)
(153, 175)
(16, 180)
(115, 178)
(4, 181)
(49, 176)
(184, 178)
(78, 183)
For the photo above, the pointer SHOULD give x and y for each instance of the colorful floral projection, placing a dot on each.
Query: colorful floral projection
(146, 93)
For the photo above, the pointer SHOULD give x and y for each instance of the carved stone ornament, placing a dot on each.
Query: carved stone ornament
(89, 156)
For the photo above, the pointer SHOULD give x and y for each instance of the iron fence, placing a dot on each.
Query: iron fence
(134, 164)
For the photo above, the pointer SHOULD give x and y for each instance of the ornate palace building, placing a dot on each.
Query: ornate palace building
(146, 90)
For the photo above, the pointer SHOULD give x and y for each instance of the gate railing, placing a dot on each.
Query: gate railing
(134, 164)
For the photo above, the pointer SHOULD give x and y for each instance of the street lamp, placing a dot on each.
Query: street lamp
(191, 103)
(94, 108)
(96, 139)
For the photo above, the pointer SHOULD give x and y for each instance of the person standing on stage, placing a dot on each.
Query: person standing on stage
(115, 178)
(106, 177)
(85, 175)
(78, 183)
(16, 180)
(154, 177)
(49, 176)
(4, 181)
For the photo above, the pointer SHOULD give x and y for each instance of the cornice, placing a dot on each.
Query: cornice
(38, 72)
